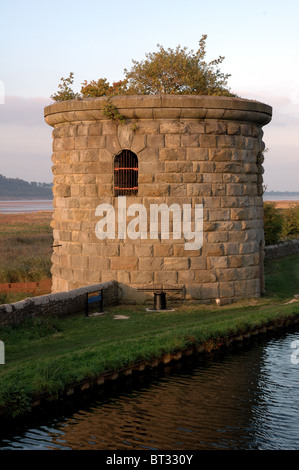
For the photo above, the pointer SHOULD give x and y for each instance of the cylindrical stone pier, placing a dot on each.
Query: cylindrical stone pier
(186, 152)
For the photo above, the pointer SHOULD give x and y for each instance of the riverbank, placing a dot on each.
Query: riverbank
(52, 359)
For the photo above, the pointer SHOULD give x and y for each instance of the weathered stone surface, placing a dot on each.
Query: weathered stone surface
(173, 140)
(125, 135)
(191, 150)
(124, 263)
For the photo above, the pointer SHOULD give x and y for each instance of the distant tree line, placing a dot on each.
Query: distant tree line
(12, 188)
(281, 193)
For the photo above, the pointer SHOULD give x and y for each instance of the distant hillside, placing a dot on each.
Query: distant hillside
(15, 188)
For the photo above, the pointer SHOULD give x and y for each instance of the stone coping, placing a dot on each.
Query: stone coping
(160, 107)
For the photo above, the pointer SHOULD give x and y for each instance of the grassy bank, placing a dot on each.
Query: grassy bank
(25, 247)
(45, 355)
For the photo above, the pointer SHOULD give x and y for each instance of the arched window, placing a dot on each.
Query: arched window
(125, 174)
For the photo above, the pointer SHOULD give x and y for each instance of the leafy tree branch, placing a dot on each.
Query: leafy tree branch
(166, 71)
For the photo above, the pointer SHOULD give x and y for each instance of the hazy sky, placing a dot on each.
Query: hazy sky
(42, 41)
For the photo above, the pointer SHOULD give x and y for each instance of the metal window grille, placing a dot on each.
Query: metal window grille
(125, 174)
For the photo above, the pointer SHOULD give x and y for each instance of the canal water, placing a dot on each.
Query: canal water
(245, 398)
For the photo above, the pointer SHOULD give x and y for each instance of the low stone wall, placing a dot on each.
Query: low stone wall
(73, 301)
(57, 304)
(282, 249)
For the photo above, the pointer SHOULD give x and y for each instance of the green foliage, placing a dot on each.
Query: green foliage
(280, 225)
(290, 226)
(273, 222)
(103, 88)
(3, 298)
(112, 113)
(65, 92)
(177, 71)
(282, 277)
(10, 298)
(167, 71)
(16, 398)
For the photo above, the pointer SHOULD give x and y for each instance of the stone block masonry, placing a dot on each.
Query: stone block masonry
(191, 150)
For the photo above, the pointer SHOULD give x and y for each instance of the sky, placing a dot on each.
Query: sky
(42, 41)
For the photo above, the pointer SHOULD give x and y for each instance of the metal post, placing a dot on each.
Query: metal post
(160, 300)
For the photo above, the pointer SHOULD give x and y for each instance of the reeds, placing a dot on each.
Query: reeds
(25, 247)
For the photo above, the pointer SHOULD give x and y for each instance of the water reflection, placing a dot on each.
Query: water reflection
(276, 418)
(247, 399)
(208, 408)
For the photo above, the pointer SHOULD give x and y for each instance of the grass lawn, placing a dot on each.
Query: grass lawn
(282, 277)
(48, 354)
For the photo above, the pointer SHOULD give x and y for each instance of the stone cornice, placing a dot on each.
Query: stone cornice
(160, 107)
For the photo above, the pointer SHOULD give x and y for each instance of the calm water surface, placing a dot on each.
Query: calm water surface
(280, 197)
(247, 398)
(16, 207)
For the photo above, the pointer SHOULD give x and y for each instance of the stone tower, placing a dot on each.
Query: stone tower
(186, 153)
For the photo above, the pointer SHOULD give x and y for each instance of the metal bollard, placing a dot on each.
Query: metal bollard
(160, 300)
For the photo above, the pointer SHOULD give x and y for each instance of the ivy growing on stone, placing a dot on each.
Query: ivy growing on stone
(112, 113)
